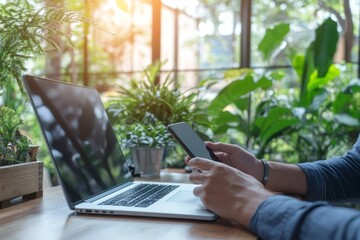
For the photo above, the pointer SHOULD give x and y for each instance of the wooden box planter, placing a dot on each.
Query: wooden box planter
(20, 180)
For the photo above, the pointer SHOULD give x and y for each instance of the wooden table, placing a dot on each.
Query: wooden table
(50, 218)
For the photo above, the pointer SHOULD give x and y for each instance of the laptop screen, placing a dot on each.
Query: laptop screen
(79, 136)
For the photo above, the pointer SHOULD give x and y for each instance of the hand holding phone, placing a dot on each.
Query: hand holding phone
(191, 141)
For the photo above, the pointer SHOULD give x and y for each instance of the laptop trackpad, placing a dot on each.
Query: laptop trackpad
(184, 197)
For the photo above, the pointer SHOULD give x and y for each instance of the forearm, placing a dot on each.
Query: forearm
(286, 178)
(334, 179)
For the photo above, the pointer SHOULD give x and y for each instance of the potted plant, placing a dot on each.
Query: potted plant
(14, 147)
(164, 100)
(147, 105)
(299, 124)
(147, 143)
(21, 174)
(25, 32)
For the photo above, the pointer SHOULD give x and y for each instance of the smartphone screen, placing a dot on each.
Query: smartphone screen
(190, 141)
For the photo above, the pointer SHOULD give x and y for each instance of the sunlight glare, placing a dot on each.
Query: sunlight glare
(123, 5)
(171, 3)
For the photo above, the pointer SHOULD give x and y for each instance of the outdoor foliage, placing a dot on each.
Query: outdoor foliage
(23, 30)
(314, 118)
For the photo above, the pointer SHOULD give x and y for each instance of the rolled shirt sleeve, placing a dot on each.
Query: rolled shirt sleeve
(282, 217)
(335, 179)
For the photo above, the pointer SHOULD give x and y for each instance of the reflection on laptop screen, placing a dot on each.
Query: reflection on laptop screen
(79, 136)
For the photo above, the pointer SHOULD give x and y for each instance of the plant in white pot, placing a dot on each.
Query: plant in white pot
(147, 143)
(154, 104)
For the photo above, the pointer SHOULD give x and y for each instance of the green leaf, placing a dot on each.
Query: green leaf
(272, 116)
(308, 69)
(242, 103)
(346, 119)
(272, 39)
(317, 98)
(264, 82)
(277, 74)
(237, 73)
(277, 128)
(236, 89)
(316, 82)
(325, 46)
(298, 64)
(225, 120)
(345, 96)
(274, 122)
(340, 101)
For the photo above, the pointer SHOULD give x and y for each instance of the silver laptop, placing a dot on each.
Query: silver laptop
(93, 172)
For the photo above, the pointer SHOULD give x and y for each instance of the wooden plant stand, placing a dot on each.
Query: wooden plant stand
(21, 180)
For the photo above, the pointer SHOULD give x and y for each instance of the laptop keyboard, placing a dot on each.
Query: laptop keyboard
(143, 195)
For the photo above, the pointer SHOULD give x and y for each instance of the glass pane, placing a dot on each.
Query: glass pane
(206, 34)
(268, 13)
(168, 36)
(117, 33)
(304, 17)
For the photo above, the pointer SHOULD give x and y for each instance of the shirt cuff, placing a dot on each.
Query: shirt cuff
(316, 188)
(278, 217)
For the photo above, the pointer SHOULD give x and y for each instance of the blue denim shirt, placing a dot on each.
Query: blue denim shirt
(283, 217)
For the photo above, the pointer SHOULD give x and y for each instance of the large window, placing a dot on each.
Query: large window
(205, 37)
(197, 38)
(304, 16)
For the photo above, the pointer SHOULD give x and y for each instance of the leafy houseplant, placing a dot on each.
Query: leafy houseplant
(14, 147)
(308, 120)
(147, 105)
(249, 106)
(325, 101)
(21, 174)
(25, 32)
(153, 136)
(328, 100)
(163, 100)
(147, 144)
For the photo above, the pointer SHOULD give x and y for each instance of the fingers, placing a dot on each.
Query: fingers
(221, 147)
(196, 177)
(198, 191)
(187, 159)
(201, 164)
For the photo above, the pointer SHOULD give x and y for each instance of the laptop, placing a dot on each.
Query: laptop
(90, 164)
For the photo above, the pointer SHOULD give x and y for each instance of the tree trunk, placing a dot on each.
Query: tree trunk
(53, 56)
(349, 31)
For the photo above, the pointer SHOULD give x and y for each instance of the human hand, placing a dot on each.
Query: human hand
(227, 191)
(237, 157)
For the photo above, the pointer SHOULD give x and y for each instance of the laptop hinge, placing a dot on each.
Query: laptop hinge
(106, 193)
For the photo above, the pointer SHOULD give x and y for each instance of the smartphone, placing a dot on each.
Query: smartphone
(190, 141)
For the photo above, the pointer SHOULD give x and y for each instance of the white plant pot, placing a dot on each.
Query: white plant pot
(147, 161)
